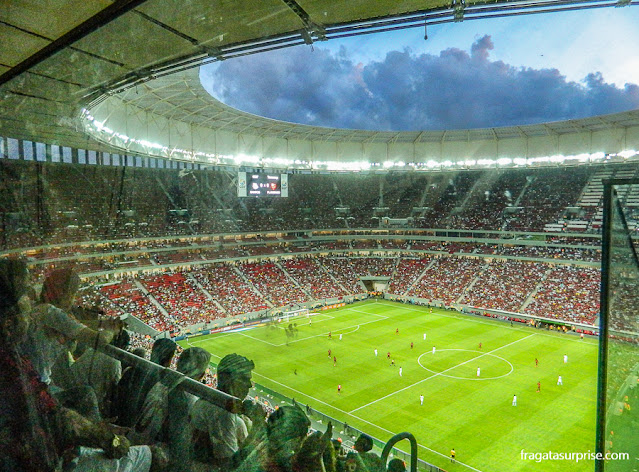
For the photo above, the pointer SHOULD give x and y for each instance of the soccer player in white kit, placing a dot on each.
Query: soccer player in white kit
(375, 352)
(565, 358)
(400, 371)
(560, 381)
(421, 399)
(514, 400)
(433, 349)
(478, 371)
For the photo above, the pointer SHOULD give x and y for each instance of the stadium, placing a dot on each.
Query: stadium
(464, 300)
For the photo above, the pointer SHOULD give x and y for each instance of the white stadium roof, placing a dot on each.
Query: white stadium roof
(122, 76)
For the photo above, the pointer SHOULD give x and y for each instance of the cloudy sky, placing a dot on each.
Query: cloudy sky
(473, 74)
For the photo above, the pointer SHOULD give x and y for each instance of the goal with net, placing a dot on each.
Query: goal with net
(294, 314)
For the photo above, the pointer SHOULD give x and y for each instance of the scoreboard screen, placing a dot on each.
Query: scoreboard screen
(261, 184)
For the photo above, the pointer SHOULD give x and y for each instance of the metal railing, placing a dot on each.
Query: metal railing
(317, 416)
(236, 405)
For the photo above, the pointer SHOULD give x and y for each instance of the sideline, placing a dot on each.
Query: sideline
(466, 317)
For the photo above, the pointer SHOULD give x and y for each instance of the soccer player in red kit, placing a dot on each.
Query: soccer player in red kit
(388, 355)
(339, 388)
(539, 386)
(329, 353)
(334, 361)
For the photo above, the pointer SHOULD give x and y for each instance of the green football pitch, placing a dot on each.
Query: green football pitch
(461, 410)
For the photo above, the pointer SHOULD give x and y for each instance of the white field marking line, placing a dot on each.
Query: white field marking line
(367, 313)
(236, 334)
(324, 317)
(442, 372)
(217, 335)
(351, 332)
(465, 317)
(351, 415)
(359, 418)
(465, 378)
(326, 333)
(258, 339)
(309, 323)
(356, 327)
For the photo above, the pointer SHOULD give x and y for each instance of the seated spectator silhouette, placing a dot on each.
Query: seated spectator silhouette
(315, 452)
(396, 465)
(218, 435)
(26, 409)
(281, 444)
(101, 372)
(165, 413)
(50, 333)
(137, 381)
(35, 429)
(364, 445)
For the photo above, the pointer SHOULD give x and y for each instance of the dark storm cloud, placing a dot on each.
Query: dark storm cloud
(452, 90)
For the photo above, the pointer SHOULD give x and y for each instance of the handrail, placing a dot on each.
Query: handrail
(211, 395)
(413, 448)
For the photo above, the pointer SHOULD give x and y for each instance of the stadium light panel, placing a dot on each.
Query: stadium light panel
(627, 154)
(94, 127)
(243, 158)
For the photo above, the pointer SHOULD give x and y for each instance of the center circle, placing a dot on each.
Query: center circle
(483, 354)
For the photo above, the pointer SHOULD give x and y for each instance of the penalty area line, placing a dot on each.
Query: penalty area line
(322, 335)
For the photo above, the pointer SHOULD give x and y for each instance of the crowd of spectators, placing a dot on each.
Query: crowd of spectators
(548, 194)
(126, 297)
(161, 202)
(504, 285)
(182, 299)
(394, 244)
(273, 284)
(365, 244)
(551, 252)
(313, 278)
(488, 199)
(210, 293)
(341, 268)
(568, 293)
(446, 279)
(406, 274)
(234, 293)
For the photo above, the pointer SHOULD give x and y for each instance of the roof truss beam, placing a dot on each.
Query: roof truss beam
(103, 17)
